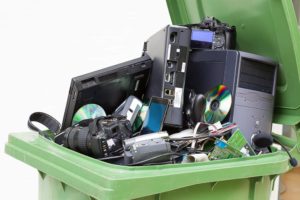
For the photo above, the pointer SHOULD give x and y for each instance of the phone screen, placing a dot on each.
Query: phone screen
(155, 116)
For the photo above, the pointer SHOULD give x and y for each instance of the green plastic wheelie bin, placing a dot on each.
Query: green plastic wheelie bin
(265, 27)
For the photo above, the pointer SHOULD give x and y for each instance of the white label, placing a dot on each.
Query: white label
(169, 52)
(183, 66)
(129, 115)
(135, 104)
(216, 126)
(110, 142)
(178, 98)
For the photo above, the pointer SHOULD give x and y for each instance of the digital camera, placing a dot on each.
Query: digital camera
(100, 137)
(212, 34)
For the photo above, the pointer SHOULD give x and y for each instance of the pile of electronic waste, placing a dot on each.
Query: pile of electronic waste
(190, 98)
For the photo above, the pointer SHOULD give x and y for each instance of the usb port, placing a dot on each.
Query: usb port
(170, 77)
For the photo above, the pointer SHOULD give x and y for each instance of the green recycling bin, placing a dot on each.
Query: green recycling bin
(265, 27)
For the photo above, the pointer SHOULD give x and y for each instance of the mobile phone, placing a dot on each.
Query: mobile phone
(155, 115)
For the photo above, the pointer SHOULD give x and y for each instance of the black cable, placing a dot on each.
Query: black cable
(190, 138)
(182, 146)
(293, 160)
(111, 158)
(160, 163)
(118, 151)
(199, 137)
(269, 149)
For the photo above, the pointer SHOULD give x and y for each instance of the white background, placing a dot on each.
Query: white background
(43, 44)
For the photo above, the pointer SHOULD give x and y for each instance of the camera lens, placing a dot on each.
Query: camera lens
(99, 138)
(76, 138)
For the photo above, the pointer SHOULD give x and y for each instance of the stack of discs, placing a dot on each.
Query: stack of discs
(218, 104)
(88, 111)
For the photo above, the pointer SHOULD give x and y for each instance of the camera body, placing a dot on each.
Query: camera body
(212, 34)
(100, 137)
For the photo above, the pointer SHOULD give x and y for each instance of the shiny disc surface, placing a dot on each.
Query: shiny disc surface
(218, 104)
(88, 111)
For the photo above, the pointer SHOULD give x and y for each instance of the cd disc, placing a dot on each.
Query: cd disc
(218, 104)
(88, 111)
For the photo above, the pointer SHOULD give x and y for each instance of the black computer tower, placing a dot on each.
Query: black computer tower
(250, 78)
(169, 49)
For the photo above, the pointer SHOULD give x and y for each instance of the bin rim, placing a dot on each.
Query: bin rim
(101, 180)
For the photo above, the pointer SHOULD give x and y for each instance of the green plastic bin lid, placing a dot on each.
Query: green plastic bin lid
(264, 27)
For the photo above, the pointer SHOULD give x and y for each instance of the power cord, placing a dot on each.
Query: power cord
(293, 160)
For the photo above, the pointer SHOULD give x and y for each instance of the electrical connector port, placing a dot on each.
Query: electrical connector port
(170, 77)
(173, 37)
(170, 65)
(169, 92)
